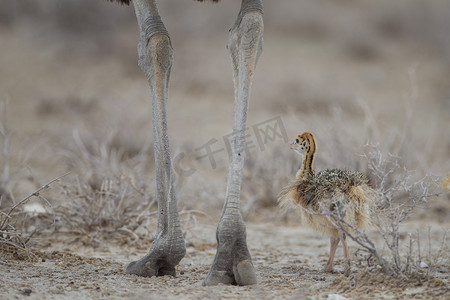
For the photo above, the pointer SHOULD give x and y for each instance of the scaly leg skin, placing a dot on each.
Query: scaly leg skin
(334, 242)
(232, 263)
(155, 59)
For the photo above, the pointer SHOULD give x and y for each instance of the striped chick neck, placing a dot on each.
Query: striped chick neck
(305, 145)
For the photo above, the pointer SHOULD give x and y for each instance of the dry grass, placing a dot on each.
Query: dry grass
(107, 193)
(111, 194)
(12, 237)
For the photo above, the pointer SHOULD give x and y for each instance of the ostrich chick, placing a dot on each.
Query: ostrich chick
(327, 199)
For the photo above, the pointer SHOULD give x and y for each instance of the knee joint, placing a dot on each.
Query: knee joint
(156, 51)
(246, 34)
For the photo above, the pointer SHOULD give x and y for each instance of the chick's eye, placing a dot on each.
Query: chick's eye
(297, 141)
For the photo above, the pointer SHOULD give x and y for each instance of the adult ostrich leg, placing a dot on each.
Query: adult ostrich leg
(232, 263)
(155, 59)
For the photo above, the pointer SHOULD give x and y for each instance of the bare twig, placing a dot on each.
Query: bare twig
(33, 194)
(8, 234)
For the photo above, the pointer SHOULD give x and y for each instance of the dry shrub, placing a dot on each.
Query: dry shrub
(115, 210)
(399, 194)
(14, 239)
(110, 194)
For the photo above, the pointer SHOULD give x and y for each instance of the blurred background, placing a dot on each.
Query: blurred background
(353, 72)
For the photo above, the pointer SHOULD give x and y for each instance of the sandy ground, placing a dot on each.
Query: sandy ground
(287, 257)
(332, 76)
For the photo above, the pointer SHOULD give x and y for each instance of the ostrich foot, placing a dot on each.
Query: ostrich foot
(233, 263)
(241, 273)
(161, 260)
(148, 267)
